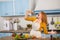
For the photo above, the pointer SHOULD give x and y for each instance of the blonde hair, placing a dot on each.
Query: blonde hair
(44, 17)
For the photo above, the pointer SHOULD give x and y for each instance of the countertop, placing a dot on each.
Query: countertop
(24, 31)
(17, 31)
(11, 38)
(7, 38)
(21, 31)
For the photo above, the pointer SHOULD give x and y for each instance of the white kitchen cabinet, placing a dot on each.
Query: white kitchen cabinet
(6, 8)
(0, 9)
(5, 0)
(14, 7)
(21, 6)
(1, 23)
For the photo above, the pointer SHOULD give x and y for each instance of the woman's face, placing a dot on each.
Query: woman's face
(40, 15)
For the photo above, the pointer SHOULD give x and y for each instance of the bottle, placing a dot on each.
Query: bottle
(52, 21)
(15, 26)
(51, 37)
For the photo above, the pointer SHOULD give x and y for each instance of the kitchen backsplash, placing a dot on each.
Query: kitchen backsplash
(53, 20)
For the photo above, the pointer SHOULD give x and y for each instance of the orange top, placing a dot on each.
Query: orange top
(42, 24)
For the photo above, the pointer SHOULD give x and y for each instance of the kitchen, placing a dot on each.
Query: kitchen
(12, 13)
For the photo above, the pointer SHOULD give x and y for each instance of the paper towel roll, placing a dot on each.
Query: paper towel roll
(15, 26)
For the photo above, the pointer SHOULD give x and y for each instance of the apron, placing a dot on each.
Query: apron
(34, 31)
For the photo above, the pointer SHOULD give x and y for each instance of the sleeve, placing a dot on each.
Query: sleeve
(44, 28)
(30, 18)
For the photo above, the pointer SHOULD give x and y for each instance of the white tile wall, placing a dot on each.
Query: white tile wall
(1, 23)
(24, 23)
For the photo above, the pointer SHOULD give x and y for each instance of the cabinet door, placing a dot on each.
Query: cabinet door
(7, 8)
(1, 9)
(21, 6)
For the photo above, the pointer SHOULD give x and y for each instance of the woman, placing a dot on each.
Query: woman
(39, 23)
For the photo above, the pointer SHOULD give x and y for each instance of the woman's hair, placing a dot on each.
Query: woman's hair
(44, 17)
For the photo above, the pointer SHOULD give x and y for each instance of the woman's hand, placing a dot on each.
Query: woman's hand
(28, 12)
(52, 32)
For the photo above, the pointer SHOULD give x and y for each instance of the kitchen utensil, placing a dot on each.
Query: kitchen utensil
(52, 21)
(57, 23)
